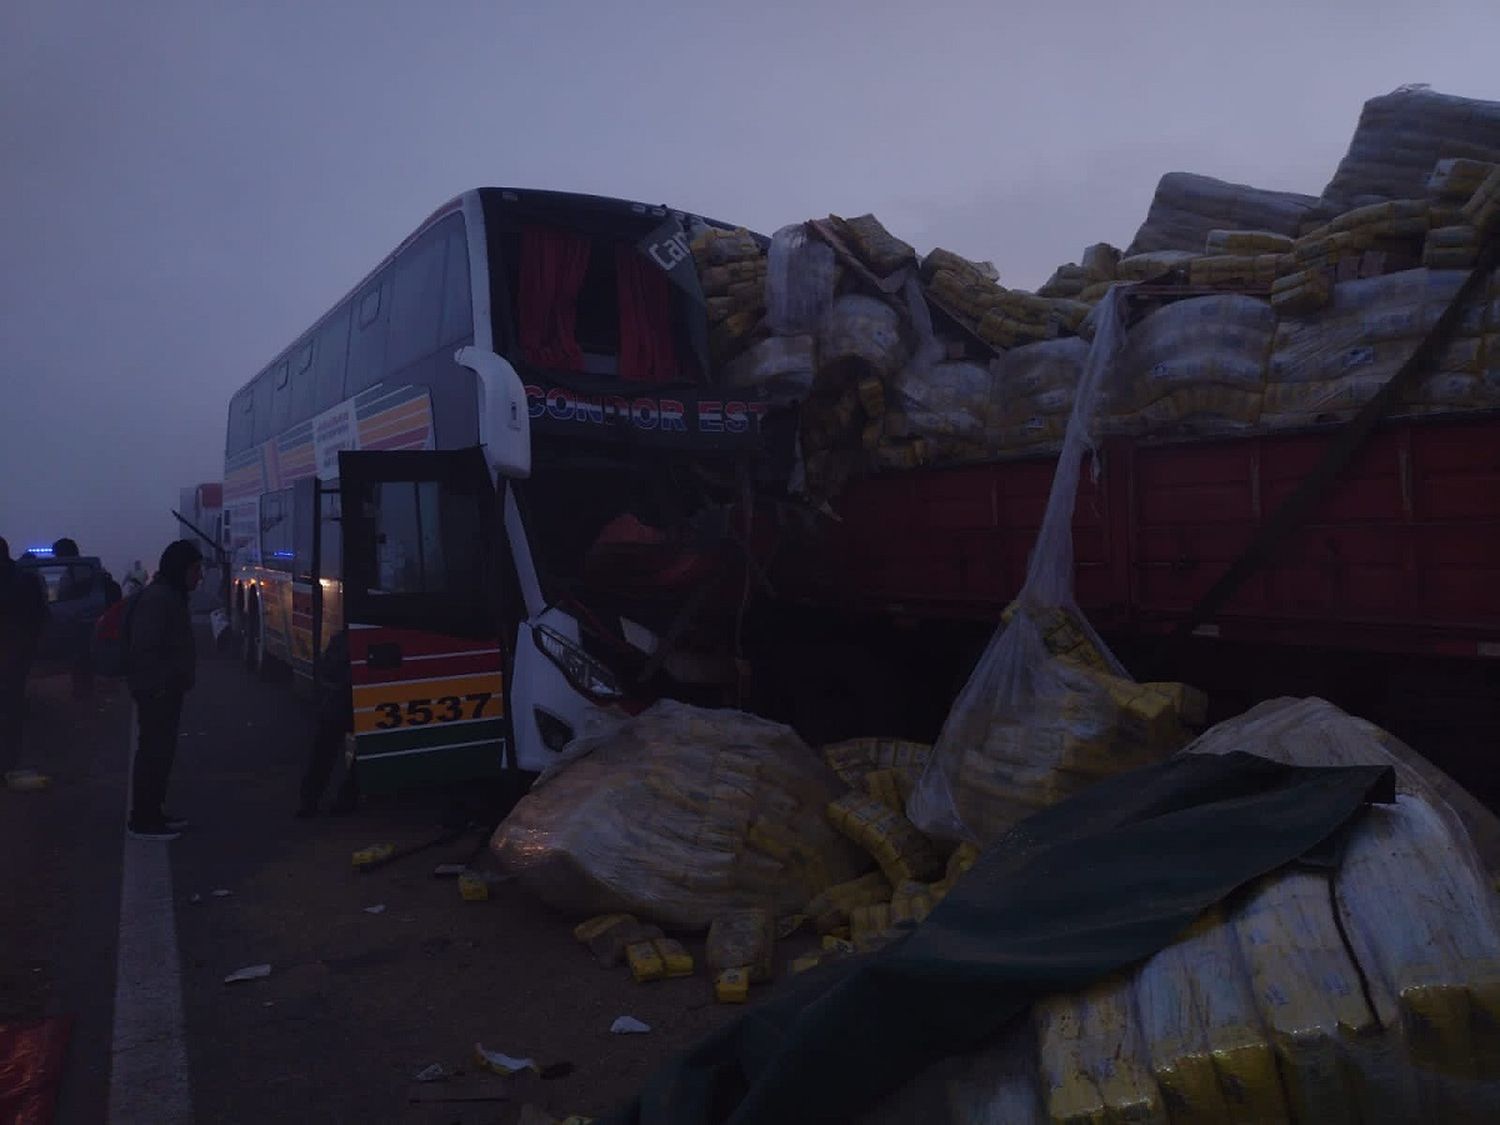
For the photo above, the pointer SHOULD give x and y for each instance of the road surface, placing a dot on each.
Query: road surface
(131, 938)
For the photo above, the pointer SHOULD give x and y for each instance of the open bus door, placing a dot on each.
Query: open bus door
(421, 601)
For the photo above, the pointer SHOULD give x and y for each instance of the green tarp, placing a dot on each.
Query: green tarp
(1074, 893)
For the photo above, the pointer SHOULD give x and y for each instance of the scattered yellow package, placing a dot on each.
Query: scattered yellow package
(590, 929)
(805, 962)
(373, 854)
(676, 960)
(742, 939)
(472, 888)
(645, 962)
(902, 852)
(732, 986)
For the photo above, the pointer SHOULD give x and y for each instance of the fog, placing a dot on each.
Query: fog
(186, 186)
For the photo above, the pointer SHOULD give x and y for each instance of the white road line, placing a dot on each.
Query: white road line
(148, 1080)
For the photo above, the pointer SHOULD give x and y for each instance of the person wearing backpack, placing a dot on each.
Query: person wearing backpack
(160, 659)
(23, 612)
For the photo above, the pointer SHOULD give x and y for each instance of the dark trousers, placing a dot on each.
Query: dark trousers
(12, 714)
(158, 716)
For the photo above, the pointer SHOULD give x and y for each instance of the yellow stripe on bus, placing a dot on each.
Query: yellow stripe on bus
(367, 696)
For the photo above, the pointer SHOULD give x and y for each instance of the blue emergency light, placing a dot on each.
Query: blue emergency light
(40, 552)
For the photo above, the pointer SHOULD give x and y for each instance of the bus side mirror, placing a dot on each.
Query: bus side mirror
(504, 422)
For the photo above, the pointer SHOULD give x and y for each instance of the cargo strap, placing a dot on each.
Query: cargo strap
(1345, 443)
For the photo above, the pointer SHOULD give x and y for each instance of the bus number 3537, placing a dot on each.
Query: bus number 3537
(445, 709)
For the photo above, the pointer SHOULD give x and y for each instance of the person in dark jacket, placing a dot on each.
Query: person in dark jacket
(23, 612)
(160, 669)
(335, 719)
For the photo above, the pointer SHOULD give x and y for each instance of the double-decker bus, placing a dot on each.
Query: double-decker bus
(501, 464)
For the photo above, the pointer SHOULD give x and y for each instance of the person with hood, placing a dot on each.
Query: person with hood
(160, 660)
(23, 612)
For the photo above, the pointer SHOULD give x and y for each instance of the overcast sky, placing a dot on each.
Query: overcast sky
(187, 185)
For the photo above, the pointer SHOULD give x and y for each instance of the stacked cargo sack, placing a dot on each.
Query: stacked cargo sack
(1186, 208)
(1369, 991)
(732, 272)
(1327, 364)
(1195, 366)
(1400, 137)
(679, 815)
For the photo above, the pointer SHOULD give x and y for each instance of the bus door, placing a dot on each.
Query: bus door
(421, 594)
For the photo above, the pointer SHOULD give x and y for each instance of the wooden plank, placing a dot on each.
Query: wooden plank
(825, 231)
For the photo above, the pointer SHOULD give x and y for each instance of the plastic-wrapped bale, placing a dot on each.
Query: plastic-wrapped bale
(1327, 365)
(864, 332)
(1197, 365)
(1251, 242)
(1308, 992)
(940, 260)
(1186, 207)
(1153, 265)
(954, 407)
(1401, 136)
(1101, 261)
(781, 367)
(1421, 921)
(1066, 281)
(679, 814)
(1235, 271)
(1482, 211)
(1451, 248)
(1040, 720)
(1093, 1061)
(1037, 384)
(1455, 180)
(877, 247)
(800, 278)
(1209, 1051)
(1304, 291)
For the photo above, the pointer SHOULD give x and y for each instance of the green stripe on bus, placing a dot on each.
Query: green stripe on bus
(429, 736)
(437, 767)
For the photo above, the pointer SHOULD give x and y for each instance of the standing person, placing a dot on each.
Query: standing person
(160, 659)
(23, 611)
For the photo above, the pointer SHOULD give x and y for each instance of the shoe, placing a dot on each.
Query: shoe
(174, 822)
(150, 830)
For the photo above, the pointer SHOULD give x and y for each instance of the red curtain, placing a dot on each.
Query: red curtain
(553, 265)
(647, 354)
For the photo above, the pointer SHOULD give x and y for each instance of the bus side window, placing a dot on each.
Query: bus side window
(304, 390)
(261, 410)
(241, 422)
(458, 296)
(416, 302)
(332, 349)
(281, 397)
(367, 336)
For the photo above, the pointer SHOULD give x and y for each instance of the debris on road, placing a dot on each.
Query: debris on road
(378, 908)
(629, 1025)
(195, 899)
(222, 893)
(448, 870)
(436, 1072)
(366, 857)
(497, 1063)
(250, 972)
(26, 780)
(732, 986)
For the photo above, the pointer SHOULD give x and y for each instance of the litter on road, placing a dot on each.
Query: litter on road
(498, 1063)
(629, 1025)
(250, 972)
(434, 1073)
(378, 908)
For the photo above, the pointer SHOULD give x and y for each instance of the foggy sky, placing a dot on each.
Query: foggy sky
(186, 186)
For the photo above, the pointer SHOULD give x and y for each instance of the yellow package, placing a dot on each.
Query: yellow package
(373, 854)
(902, 852)
(832, 944)
(805, 962)
(1093, 1063)
(676, 961)
(645, 962)
(472, 888)
(742, 939)
(587, 931)
(732, 986)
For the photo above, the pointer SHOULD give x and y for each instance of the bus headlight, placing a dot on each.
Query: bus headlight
(582, 670)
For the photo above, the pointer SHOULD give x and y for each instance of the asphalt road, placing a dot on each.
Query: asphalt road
(356, 1003)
